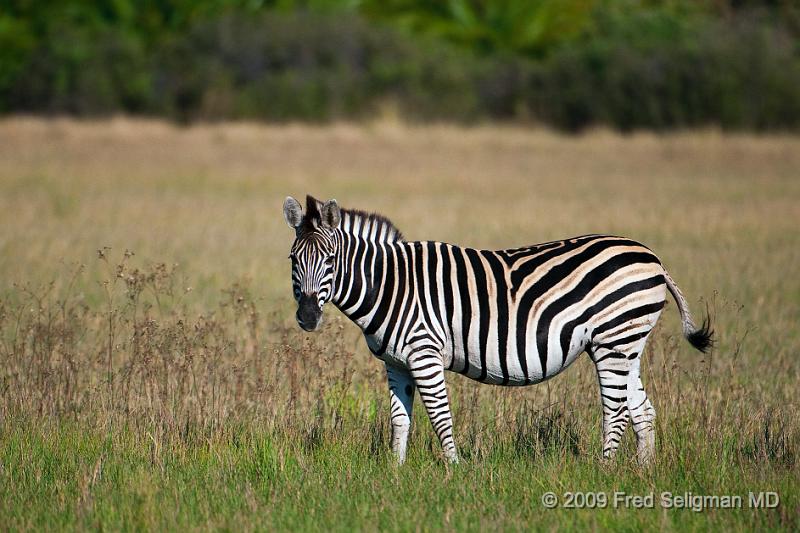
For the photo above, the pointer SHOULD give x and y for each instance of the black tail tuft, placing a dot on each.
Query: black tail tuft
(702, 338)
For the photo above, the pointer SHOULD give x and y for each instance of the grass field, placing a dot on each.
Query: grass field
(152, 376)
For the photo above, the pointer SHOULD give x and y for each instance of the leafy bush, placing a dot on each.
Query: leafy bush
(518, 26)
(310, 66)
(628, 63)
(644, 70)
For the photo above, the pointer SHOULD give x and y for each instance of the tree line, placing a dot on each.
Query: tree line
(570, 64)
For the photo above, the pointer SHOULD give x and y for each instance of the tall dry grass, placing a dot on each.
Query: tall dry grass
(146, 287)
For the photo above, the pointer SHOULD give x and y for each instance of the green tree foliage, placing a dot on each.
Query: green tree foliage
(569, 63)
(518, 26)
(650, 68)
(310, 66)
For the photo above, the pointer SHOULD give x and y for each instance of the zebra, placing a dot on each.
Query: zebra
(506, 317)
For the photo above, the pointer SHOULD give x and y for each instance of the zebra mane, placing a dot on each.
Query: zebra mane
(355, 222)
(362, 223)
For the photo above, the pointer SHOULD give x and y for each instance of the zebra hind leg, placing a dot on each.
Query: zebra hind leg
(624, 399)
(643, 416)
(612, 375)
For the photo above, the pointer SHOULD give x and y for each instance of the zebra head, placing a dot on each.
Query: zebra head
(313, 256)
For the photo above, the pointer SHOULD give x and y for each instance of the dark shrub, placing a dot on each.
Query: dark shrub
(743, 74)
(309, 66)
(637, 65)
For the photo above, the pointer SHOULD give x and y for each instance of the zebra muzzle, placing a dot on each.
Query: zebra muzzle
(309, 314)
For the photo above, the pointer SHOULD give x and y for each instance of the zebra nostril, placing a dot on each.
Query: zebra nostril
(308, 312)
(308, 324)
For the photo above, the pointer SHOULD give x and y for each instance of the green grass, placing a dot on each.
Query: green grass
(171, 389)
(63, 477)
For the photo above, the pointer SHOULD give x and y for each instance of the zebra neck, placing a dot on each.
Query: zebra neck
(360, 277)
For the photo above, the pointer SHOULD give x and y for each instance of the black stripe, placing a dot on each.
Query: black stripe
(447, 288)
(609, 299)
(387, 291)
(547, 281)
(580, 291)
(373, 281)
(484, 310)
(466, 303)
(433, 282)
(632, 314)
(623, 341)
(356, 255)
(498, 273)
(420, 270)
(401, 318)
(519, 275)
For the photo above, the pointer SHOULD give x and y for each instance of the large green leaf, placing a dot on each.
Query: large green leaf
(520, 26)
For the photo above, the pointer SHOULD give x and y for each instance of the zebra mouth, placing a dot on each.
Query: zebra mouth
(311, 325)
(309, 314)
(309, 318)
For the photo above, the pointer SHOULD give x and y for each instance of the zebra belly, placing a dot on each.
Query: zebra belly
(486, 367)
(392, 354)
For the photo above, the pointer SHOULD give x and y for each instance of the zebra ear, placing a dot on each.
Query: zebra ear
(331, 214)
(292, 212)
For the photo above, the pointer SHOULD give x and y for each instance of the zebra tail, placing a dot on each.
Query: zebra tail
(701, 338)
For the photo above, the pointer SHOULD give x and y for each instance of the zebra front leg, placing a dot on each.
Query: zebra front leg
(401, 391)
(427, 369)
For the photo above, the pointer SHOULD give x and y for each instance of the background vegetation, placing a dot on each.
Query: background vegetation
(152, 376)
(567, 63)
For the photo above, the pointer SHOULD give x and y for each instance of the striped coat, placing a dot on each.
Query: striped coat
(505, 317)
